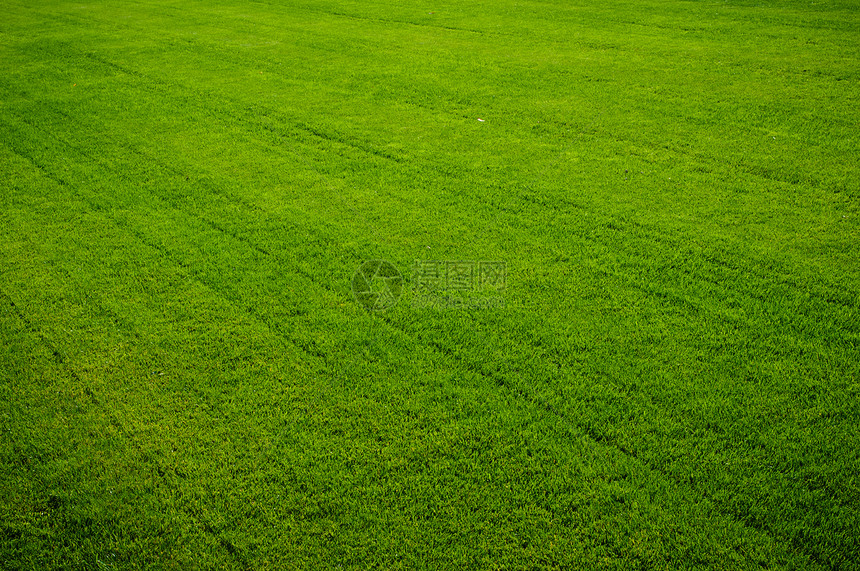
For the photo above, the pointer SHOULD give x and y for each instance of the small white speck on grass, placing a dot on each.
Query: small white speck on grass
(481, 120)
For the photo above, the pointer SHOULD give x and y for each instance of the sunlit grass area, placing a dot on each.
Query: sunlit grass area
(666, 375)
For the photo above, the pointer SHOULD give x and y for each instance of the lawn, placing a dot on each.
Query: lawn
(220, 221)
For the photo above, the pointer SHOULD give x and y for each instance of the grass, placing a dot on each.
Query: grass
(188, 189)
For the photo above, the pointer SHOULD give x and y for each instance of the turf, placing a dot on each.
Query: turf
(188, 189)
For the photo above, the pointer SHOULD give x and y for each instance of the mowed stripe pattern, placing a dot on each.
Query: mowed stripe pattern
(189, 187)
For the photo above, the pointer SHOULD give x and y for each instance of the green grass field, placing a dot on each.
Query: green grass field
(187, 380)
